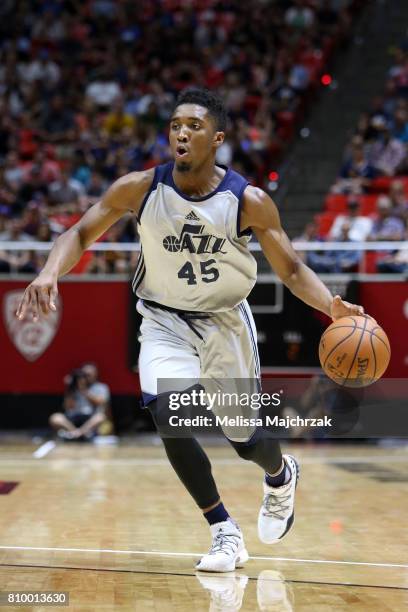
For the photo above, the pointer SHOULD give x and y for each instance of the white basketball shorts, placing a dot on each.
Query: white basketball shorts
(222, 346)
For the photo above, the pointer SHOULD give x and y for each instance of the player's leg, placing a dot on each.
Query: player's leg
(188, 459)
(193, 468)
(276, 515)
(168, 351)
(233, 350)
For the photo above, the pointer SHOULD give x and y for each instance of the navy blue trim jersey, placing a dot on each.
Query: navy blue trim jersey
(193, 254)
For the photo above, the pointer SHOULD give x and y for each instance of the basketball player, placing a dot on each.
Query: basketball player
(193, 276)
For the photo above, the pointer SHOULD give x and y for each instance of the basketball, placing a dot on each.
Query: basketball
(354, 351)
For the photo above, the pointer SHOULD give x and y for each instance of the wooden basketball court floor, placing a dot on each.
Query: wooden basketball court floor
(114, 528)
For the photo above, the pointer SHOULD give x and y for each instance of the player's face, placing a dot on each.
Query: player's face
(193, 136)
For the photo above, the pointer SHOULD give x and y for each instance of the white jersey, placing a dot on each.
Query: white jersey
(193, 255)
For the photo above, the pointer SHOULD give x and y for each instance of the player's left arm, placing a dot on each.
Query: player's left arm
(260, 213)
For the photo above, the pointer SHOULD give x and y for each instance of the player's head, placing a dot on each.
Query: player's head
(197, 128)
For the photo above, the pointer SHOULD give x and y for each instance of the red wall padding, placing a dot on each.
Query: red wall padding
(94, 326)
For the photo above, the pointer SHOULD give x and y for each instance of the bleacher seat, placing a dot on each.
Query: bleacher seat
(368, 203)
(382, 183)
(336, 202)
(324, 222)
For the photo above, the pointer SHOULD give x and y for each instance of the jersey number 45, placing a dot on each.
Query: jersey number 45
(208, 274)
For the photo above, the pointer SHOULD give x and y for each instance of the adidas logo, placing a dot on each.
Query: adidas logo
(192, 216)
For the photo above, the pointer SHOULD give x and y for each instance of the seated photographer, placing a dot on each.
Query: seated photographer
(85, 404)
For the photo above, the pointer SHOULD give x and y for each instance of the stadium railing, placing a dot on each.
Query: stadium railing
(370, 251)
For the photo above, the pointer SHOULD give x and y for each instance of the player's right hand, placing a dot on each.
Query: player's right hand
(39, 297)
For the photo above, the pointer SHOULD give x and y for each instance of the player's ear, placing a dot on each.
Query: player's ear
(219, 138)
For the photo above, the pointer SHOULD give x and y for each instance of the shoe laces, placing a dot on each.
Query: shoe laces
(225, 542)
(276, 504)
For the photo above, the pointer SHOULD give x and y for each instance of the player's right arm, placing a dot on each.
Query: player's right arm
(126, 194)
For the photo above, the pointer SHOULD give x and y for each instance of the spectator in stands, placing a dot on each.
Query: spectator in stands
(395, 263)
(358, 226)
(32, 217)
(387, 154)
(48, 169)
(3, 217)
(399, 71)
(104, 91)
(66, 190)
(8, 201)
(58, 121)
(300, 16)
(118, 121)
(400, 124)
(97, 186)
(309, 234)
(336, 261)
(42, 69)
(299, 78)
(364, 129)
(357, 172)
(387, 225)
(111, 262)
(33, 188)
(13, 172)
(14, 232)
(86, 402)
(285, 98)
(399, 200)
(15, 261)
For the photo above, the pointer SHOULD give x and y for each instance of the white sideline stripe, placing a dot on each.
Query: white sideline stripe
(91, 461)
(44, 449)
(190, 554)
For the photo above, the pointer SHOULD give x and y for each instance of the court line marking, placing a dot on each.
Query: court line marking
(44, 449)
(190, 554)
(188, 575)
(232, 461)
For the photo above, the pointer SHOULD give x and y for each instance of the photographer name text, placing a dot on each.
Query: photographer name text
(240, 421)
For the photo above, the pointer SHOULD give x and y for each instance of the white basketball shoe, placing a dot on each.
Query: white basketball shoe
(277, 512)
(227, 551)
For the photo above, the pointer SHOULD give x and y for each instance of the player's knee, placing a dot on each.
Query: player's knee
(246, 450)
(166, 406)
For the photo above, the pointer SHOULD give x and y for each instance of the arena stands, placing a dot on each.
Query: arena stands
(369, 200)
(87, 87)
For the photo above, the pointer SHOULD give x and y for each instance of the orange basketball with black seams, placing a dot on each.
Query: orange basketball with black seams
(354, 351)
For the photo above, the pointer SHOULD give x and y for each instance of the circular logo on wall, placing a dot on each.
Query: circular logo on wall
(30, 338)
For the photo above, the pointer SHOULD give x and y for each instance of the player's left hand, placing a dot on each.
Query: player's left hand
(339, 308)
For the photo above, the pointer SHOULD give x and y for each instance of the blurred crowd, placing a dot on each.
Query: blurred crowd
(370, 195)
(87, 88)
(378, 146)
